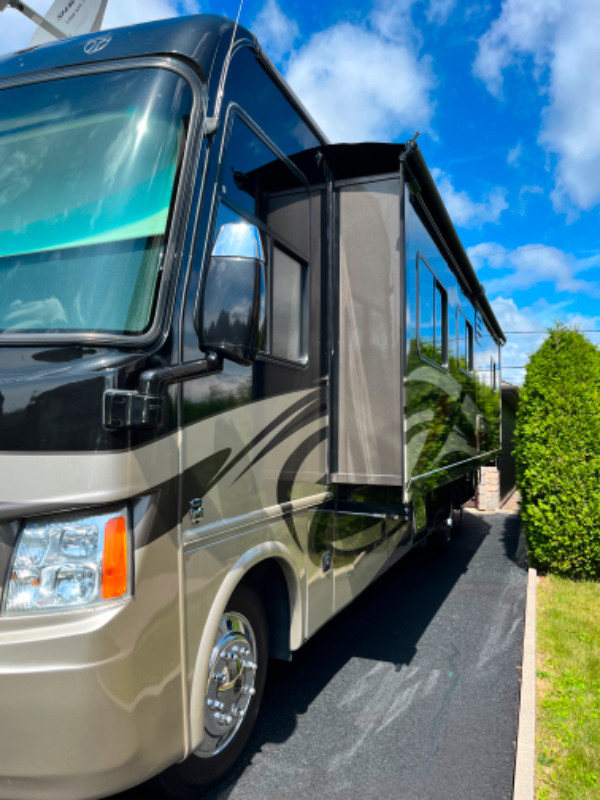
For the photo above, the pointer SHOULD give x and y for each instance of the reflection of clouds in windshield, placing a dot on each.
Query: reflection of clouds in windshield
(34, 313)
(17, 172)
(24, 148)
(78, 309)
(118, 155)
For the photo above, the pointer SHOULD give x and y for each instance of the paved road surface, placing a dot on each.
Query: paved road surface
(412, 693)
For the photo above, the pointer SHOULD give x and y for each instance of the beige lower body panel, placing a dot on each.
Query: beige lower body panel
(91, 700)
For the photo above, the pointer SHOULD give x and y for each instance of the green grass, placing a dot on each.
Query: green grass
(568, 690)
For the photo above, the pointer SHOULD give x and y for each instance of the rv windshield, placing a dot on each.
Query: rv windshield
(87, 173)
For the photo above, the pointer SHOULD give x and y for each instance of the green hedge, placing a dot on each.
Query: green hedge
(558, 455)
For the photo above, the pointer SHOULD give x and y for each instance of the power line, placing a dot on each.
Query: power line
(532, 333)
(524, 248)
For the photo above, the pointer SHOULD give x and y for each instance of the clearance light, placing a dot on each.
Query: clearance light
(114, 563)
(69, 562)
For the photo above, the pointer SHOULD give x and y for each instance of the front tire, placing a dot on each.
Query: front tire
(235, 686)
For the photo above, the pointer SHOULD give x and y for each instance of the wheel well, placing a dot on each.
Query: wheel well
(268, 580)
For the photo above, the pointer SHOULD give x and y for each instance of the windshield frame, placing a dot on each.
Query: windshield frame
(181, 202)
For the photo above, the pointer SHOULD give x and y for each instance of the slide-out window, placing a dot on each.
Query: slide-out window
(260, 186)
(465, 343)
(433, 315)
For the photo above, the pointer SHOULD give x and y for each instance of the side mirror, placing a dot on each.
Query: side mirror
(232, 308)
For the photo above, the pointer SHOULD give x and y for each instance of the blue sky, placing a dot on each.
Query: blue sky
(506, 97)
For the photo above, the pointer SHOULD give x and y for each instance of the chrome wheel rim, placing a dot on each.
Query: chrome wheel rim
(231, 683)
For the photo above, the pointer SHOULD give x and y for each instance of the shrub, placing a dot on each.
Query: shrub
(558, 455)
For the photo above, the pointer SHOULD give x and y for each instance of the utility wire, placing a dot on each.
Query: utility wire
(524, 248)
(531, 333)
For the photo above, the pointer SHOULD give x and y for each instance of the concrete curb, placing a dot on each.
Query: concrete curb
(525, 759)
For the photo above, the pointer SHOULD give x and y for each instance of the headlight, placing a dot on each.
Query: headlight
(69, 562)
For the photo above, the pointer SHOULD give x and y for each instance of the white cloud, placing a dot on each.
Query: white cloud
(119, 14)
(487, 254)
(275, 32)
(438, 11)
(190, 6)
(367, 81)
(533, 265)
(526, 328)
(524, 193)
(392, 19)
(514, 155)
(530, 189)
(560, 40)
(524, 28)
(464, 211)
(524, 334)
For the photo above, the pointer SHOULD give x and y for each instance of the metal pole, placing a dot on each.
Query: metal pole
(97, 24)
(18, 5)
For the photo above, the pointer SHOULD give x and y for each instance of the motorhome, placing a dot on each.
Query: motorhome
(243, 370)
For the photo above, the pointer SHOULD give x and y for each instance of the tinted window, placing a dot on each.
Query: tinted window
(433, 316)
(439, 299)
(288, 277)
(465, 343)
(252, 87)
(87, 174)
(287, 288)
(426, 310)
(256, 180)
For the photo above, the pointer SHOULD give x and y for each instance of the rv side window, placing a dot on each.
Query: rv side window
(465, 343)
(441, 325)
(288, 288)
(257, 180)
(433, 316)
(259, 184)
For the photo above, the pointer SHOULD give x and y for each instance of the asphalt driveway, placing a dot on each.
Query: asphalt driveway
(411, 693)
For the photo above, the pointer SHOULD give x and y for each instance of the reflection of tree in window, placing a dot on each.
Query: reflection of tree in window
(224, 329)
(426, 311)
(465, 343)
(462, 341)
(433, 316)
(439, 316)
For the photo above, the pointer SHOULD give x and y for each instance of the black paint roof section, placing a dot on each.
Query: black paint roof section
(348, 161)
(441, 226)
(195, 38)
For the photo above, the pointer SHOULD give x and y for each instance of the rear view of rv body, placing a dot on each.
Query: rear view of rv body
(242, 371)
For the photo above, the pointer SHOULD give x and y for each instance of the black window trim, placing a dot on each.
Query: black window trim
(221, 198)
(236, 111)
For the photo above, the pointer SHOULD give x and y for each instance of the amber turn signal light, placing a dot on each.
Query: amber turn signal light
(114, 563)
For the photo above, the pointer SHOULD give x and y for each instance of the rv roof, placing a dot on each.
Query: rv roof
(196, 38)
(367, 159)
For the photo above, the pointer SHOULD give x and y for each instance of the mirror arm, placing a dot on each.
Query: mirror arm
(142, 408)
(153, 380)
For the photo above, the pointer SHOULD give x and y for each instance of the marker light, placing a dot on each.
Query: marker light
(114, 563)
(69, 562)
